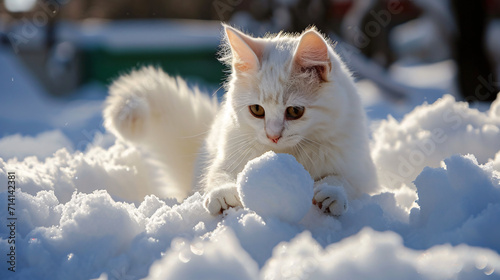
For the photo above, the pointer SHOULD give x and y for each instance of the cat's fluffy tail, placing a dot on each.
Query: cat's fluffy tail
(151, 109)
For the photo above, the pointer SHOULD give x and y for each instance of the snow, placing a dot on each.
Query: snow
(377, 255)
(276, 185)
(431, 133)
(473, 217)
(188, 260)
(89, 206)
(20, 5)
(41, 145)
(99, 213)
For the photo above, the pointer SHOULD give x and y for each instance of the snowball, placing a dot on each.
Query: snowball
(276, 185)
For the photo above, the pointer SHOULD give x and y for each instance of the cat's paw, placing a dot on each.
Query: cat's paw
(221, 199)
(127, 115)
(330, 199)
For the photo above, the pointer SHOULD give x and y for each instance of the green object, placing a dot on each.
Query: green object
(104, 65)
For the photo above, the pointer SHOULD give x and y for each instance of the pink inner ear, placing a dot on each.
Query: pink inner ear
(246, 51)
(312, 53)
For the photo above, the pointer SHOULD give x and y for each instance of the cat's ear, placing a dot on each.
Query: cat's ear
(246, 51)
(312, 54)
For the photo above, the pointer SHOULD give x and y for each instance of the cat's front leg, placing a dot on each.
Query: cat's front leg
(330, 197)
(220, 199)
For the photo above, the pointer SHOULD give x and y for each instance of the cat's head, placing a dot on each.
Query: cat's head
(282, 88)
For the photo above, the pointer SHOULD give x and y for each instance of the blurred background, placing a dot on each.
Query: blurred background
(57, 57)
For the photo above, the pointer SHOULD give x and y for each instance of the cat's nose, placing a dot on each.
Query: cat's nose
(274, 138)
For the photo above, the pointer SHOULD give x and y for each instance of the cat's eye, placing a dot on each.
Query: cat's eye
(257, 111)
(295, 112)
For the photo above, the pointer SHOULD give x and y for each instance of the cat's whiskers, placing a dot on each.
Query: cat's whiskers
(195, 135)
(313, 142)
(301, 150)
(235, 162)
(237, 148)
(241, 142)
(241, 109)
(237, 140)
(241, 134)
(244, 157)
(313, 146)
(217, 90)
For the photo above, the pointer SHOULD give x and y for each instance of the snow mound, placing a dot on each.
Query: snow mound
(195, 260)
(461, 201)
(120, 170)
(429, 134)
(276, 185)
(377, 255)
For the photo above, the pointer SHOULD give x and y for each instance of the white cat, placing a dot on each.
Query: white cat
(289, 94)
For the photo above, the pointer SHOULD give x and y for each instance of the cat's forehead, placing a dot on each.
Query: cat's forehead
(276, 82)
(274, 73)
(278, 53)
(273, 80)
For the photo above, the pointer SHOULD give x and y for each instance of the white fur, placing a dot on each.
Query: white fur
(330, 140)
(162, 114)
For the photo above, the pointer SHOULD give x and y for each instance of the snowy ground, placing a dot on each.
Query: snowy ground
(89, 207)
